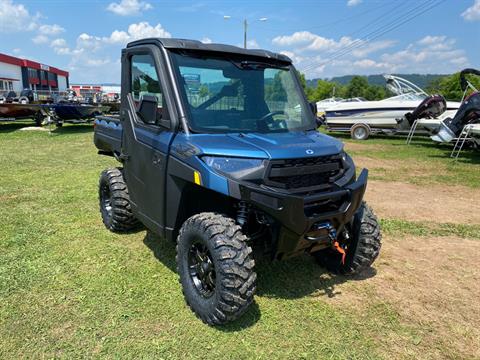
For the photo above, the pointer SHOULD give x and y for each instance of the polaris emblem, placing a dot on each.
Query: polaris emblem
(309, 151)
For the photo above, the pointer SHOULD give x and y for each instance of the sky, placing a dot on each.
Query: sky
(324, 38)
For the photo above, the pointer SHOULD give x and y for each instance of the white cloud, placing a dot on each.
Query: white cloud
(431, 54)
(473, 12)
(353, 2)
(297, 38)
(129, 7)
(295, 58)
(252, 44)
(135, 32)
(58, 43)
(50, 29)
(17, 51)
(206, 40)
(16, 17)
(371, 64)
(91, 55)
(305, 41)
(429, 40)
(323, 57)
(40, 39)
(367, 48)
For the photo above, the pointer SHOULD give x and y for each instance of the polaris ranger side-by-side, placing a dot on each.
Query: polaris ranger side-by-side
(220, 152)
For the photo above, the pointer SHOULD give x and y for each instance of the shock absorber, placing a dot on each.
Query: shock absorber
(242, 213)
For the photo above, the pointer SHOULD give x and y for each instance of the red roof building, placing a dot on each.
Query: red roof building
(17, 74)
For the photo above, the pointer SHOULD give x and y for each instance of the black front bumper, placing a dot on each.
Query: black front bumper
(297, 215)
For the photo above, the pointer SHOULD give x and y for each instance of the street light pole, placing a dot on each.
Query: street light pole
(245, 28)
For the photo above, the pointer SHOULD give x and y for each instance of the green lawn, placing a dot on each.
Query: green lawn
(69, 288)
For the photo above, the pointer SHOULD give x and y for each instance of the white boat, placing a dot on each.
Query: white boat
(325, 104)
(365, 117)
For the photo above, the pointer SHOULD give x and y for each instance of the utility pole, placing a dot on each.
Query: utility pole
(245, 27)
(245, 24)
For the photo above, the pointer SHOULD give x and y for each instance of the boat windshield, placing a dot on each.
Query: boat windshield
(413, 96)
(226, 95)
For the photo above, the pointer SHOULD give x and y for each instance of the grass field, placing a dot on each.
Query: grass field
(69, 288)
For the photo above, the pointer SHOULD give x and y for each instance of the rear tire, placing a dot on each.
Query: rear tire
(114, 201)
(38, 118)
(216, 268)
(360, 132)
(361, 251)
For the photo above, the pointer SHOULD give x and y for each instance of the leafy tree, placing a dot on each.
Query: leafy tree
(374, 92)
(324, 89)
(203, 91)
(449, 86)
(357, 87)
(275, 90)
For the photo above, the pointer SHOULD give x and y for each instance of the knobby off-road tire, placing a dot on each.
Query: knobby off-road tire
(363, 249)
(227, 293)
(115, 202)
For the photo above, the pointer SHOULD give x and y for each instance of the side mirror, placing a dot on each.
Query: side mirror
(147, 109)
(319, 120)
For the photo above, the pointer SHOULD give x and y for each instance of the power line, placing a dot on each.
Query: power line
(397, 22)
(374, 37)
(361, 39)
(330, 24)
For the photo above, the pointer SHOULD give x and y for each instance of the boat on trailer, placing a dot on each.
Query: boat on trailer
(16, 111)
(74, 112)
(362, 118)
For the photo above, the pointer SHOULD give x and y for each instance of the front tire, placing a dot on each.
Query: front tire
(216, 268)
(361, 249)
(114, 201)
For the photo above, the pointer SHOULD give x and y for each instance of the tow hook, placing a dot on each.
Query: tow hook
(341, 250)
(332, 237)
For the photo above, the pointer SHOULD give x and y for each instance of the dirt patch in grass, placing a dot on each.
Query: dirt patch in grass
(432, 284)
(433, 203)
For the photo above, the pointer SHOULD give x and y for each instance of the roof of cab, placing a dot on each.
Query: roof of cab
(170, 43)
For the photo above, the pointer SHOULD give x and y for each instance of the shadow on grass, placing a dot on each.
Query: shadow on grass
(10, 126)
(291, 279)
(73, 129)
(299, 277)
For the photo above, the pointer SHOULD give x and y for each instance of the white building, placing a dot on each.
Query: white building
(17, 74)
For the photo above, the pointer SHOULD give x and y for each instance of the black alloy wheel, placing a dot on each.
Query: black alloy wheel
(202, 269)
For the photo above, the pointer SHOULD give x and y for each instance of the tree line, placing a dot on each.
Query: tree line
(358, 86)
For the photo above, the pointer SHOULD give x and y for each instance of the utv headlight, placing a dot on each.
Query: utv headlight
(238, 168)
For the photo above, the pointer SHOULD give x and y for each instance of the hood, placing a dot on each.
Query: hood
(275, 145)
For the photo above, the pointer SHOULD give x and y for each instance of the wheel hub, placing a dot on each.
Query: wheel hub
(202, 269)
(106, 200)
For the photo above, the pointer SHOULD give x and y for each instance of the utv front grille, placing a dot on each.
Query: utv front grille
(304, 173)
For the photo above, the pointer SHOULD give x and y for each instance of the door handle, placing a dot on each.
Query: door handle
(157, 159)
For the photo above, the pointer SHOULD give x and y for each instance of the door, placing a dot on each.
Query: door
(145, 142)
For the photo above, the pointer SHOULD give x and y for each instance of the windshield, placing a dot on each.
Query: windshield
(226, 95)
(407, 97)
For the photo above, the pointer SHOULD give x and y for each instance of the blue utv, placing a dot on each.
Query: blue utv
(220, 152)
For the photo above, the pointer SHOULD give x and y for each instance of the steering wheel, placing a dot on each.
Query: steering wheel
(271, 114)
